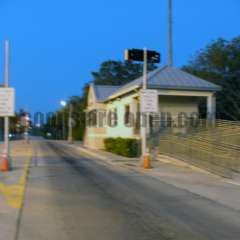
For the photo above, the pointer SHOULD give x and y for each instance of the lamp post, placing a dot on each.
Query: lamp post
(63, 104)
(70, 138)
(27, 125)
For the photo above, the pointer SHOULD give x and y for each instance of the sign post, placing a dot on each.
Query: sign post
(7, 100)
(6, 109)
(149, 99)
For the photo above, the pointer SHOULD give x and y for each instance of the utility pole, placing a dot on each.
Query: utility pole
(170, 34)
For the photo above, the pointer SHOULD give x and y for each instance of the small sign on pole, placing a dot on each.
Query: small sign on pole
(149, 101)
(7, 102)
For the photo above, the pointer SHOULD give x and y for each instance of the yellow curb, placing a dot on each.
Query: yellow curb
(14, 194)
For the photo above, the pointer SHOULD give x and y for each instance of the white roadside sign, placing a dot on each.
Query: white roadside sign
(149, 101)
(7, 102)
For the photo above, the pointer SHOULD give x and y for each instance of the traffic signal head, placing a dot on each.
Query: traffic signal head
(138, 55)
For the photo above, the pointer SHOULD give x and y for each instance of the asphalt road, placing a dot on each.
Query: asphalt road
(73, 197)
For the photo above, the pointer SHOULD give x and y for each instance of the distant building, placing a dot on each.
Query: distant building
(112, 111)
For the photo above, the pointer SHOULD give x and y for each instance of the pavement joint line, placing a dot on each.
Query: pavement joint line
(14, 194)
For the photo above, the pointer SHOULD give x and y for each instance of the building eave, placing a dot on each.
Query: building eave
(121, 93)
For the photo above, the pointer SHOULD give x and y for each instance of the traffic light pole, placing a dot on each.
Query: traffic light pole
(144, 56)
(144, 118)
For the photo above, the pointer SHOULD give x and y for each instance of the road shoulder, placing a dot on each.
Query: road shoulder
(12, 188)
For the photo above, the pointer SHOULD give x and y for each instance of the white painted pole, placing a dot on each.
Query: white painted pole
(6, 84)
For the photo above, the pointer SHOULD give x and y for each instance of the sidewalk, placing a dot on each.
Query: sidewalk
(12, 188)
(177, 173)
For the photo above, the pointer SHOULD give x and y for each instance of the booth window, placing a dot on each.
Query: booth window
(127, 114)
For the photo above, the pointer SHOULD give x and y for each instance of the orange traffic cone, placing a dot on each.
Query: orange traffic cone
(5, 165)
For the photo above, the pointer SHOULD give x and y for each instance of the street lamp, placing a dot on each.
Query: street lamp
(70, 138)
(63, 104)
(27, 125)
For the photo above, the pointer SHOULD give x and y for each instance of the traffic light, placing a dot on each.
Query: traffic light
(138, 55)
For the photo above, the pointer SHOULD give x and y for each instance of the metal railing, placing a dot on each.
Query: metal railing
(216, 149)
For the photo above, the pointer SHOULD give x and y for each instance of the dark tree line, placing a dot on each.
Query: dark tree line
(219, 62)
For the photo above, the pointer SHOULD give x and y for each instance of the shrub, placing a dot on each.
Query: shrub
(127, 147)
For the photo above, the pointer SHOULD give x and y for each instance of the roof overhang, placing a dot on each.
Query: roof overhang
(208, 89)
(121, 93)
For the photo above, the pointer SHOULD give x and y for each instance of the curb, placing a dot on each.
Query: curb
(89, 152)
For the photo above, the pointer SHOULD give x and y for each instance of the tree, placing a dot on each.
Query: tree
(78, 115)
(118, 73)
(219, 62)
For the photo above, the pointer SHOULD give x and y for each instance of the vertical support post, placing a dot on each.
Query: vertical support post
(170, 39)
(70, 138)
(211, 110)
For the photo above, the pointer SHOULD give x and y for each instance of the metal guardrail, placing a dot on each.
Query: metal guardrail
(216, 149)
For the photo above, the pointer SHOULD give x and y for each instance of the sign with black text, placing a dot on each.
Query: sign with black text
(7, 102)
(149, 101)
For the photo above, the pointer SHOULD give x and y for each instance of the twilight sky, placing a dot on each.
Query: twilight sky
(55, 44)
